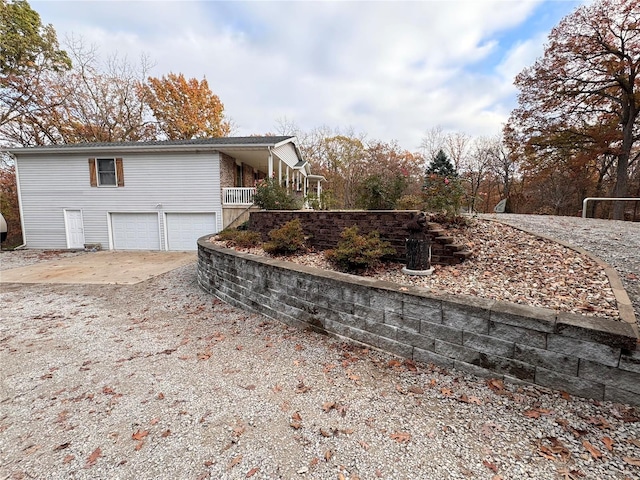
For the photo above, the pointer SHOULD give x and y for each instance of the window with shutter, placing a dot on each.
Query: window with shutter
(106, 172)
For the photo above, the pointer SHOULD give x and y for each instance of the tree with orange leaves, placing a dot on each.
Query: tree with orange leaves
(186, 109)
(581, 100)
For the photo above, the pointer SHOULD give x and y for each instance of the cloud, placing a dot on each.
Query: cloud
(389, 69)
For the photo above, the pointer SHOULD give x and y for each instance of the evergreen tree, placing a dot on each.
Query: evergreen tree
(442, 166)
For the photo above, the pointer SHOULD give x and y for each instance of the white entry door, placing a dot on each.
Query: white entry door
(75, 228)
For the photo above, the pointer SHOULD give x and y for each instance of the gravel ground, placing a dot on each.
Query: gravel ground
(161, 381)
(615, 242)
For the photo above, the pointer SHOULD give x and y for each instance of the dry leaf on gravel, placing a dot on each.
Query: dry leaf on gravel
(94, 457)
(401, 437)
(595, 453)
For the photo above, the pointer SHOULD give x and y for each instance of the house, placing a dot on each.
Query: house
(159, 195)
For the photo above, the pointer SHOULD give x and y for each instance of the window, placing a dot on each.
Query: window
(106, 172)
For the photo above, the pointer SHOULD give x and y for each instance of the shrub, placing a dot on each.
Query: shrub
(358, 252)
(270, 195)
(240, 238)
(410, 202)
(443, 195)
(286, 240)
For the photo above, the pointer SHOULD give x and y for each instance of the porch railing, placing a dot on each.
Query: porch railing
(238, 195)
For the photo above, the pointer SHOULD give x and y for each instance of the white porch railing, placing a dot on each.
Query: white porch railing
(238, 195)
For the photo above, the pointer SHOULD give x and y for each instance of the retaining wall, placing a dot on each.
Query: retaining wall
(584, 356)
(324, 228)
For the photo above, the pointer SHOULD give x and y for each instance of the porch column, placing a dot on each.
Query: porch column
(287, 185)
(270, 165)
(279, 172)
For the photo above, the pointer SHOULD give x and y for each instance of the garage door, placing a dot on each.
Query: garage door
(135, 231)
(184, 229)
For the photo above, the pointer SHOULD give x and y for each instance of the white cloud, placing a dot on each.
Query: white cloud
(389, 69)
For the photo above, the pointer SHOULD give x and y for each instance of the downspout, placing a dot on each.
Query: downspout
(24, 234)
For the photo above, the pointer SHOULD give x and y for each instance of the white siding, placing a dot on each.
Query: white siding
(287, 153)
(155, 182)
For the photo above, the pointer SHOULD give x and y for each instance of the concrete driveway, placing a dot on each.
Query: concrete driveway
(106, 267)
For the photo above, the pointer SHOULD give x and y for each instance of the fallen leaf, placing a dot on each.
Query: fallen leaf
(595, 453)
(234, 462)
(296, 421)
(327, 406)
(62, 446)
(299, 347)
(302, 388)
(154, 421)
(277, 388)
(341, 476)
(416, 390)
(531, 413)
(68, 458)
(140, 434)
(490, 466)
(160, 396)
(166, 433)
(608, 442)
(447, 392)
(565, 395)
(632, 461)
(139, 445)
(324, 433)
(252, 472)
(205, 355)
(94, 457)
(314, 461)
(327, 455)
(401, 437)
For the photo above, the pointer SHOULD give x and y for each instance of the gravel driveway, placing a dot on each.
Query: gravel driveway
(160, 381)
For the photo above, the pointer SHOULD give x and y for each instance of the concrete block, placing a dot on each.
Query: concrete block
(475, 370)
(613, 333)
(524, 316)
(508, 366)
(546, 359)
(400, 321)
(384, 301)
(415, 339)
(614, 377)
(357, 295)
(442, 332)
(573, 385)
(394, 347)
(457, 352)
(487, 344)
(381, 329)
(587, 350)
(630, 361)
(428, 356)
(472, 316)
(616, 395)
(521, 335)
(423, 308)
(369, 314)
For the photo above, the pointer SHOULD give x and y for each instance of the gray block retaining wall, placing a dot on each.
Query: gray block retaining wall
(587, 357)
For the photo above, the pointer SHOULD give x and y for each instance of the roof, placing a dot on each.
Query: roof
(213, 143)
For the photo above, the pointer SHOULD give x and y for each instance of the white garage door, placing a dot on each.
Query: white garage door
(135, 231)
(184, 229)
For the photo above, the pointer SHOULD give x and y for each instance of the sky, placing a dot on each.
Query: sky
(392, 70)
